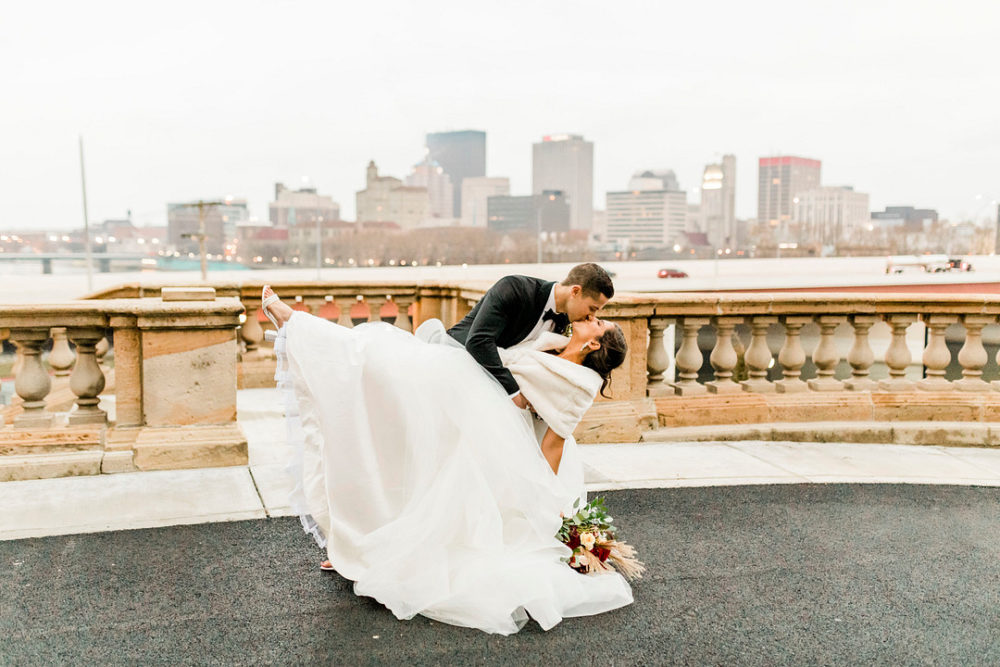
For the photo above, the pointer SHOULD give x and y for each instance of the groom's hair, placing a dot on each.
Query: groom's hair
(592, 279)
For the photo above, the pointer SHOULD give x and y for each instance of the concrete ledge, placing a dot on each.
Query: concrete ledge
(46, 466)
(190, 447)
(24, 442)
(954, 434)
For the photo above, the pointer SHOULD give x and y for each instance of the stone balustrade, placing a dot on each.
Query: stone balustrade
(173, 382)
(706, 360)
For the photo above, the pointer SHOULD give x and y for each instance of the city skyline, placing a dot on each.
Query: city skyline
(161, 124)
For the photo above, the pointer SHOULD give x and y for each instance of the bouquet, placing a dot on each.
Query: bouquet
(591, 536)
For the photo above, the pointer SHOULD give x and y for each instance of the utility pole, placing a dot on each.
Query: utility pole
(201, 236)
(86, 224)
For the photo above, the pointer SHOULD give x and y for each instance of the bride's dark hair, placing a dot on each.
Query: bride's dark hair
(608, 356)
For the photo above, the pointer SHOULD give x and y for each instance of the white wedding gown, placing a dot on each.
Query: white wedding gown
(424, 481)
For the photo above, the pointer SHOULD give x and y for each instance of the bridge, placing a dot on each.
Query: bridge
(102, 259)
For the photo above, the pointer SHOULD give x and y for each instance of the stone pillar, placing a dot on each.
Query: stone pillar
(344, 304)
(657, 360)
(791, 356)
(128, 372)
(758, 356)
(32, 383)
(251, 332)
(973, 356)
(403, 304)
(826, 357)
(724, 357)
(861, 356)
(375, 304)
(898, 356)
(688, 359)
(87, 381)
(937, 356)
(61, 357)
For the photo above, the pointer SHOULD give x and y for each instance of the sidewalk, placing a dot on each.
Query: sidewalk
(71, 505)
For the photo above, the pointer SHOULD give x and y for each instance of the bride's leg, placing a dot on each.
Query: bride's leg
(279, 309)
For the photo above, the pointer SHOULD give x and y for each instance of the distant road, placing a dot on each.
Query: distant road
(733, 274)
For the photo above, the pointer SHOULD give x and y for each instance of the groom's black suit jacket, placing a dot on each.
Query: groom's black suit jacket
(503, 317)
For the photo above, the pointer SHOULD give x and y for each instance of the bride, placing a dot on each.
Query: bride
(428, 487)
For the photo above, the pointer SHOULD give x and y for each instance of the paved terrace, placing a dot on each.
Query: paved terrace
(754, 563)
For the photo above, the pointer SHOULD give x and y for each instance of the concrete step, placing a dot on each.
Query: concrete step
(45, 466)
(955, 434)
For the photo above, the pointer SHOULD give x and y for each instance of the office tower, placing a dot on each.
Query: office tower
(476, 192)
(718, 203)
(565, 162)
(429, 174)
(545, 212)
(648, 215)
(780, 180)
(462, 155)
(220, 226)
(386, 199)
(830, 215)
(304, 206)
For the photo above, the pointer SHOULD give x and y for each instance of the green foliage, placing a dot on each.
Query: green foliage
(591, 517)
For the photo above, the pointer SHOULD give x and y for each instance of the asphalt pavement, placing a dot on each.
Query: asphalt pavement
(742, 575)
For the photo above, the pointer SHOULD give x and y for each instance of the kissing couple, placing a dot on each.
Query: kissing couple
(419, 466)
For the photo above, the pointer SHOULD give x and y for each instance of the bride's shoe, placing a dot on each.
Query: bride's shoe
(326, 566)
(264, 303)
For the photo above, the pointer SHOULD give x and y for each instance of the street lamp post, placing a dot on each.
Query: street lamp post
(201, 235)
(538, 233)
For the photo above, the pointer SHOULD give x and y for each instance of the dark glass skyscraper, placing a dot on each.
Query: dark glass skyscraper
(462, 154)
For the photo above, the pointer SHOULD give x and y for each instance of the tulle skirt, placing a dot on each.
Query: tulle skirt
(424, 482)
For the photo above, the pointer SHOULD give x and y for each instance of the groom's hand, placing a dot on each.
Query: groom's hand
(521, 402)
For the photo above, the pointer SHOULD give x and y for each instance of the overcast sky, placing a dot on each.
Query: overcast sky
(184, 100)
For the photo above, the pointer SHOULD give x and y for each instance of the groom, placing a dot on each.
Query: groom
(520, 308)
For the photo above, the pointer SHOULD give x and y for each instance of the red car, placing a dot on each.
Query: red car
(671, 273)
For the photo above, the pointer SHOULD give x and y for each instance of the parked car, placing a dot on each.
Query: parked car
(671, 273)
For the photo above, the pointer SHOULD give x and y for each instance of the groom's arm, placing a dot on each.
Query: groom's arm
(486, 328)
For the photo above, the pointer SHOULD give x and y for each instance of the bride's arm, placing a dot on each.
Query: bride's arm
(552, 449)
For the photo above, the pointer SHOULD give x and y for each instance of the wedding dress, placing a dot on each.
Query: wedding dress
(426, 484)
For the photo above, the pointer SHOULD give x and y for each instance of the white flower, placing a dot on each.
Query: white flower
(587, 540)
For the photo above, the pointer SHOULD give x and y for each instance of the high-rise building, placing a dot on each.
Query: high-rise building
(476, 192)
(650, 217)
(718, 203)
(304, 206)
(830, 215)
(429, 174)
(546, 212)
(386, 199)
(780, 180)
(462, 154)
(565, 162)
(220, 226)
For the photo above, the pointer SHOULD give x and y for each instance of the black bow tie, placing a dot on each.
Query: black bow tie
(559, 320)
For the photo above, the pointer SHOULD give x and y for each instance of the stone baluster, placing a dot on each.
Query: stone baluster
(251, 332)
(826, 357)
(32, 383)
(18, 359)
(936, 356)
(791, 356)
(657, 359)
(758, 356)
(973, 356)
(102, 350)
(375, 304)
(861, 356)
(688, 360)
(87, 381)
(403, 304)
(724, 357)
(61, 357)
(344, 304)
(898, 356)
